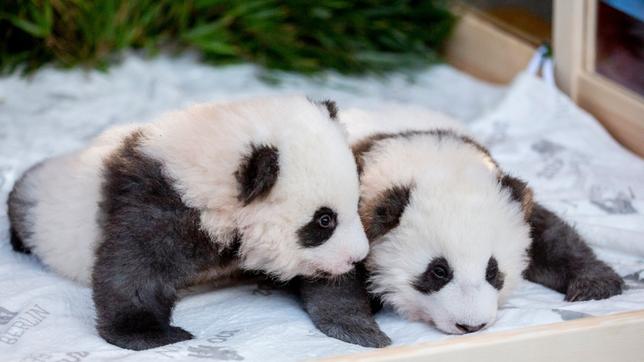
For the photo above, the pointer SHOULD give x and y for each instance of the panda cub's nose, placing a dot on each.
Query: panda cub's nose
(469, 329)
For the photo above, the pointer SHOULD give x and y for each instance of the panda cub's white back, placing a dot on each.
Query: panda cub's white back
(54, 210)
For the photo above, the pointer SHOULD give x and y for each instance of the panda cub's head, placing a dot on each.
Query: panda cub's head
(299, 195)
(448, 230)
(274, 174)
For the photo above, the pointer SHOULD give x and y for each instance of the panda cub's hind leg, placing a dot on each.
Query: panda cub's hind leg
(560, 259)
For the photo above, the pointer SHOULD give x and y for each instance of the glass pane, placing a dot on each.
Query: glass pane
(620, 42)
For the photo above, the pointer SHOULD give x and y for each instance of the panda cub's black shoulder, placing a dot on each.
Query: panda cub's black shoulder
(139, 200)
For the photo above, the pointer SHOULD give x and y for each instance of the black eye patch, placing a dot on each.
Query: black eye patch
(493, 275)
(319, 229)
(435, 277)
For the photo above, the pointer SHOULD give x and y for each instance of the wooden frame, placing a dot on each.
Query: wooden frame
(619, 109)
(615, 337)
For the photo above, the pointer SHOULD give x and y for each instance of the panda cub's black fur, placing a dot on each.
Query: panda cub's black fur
(561, 260)
(153, 245)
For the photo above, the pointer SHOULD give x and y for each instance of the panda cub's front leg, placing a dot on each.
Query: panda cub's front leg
(134, 301)
(134, 314)
(341, 308)
(560, 259)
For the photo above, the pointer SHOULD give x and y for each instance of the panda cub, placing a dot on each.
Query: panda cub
(450, 232)
(148, 209)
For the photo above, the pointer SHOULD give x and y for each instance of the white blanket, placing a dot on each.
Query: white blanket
(532, 130)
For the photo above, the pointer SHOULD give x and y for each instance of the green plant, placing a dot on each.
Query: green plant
(304, 36)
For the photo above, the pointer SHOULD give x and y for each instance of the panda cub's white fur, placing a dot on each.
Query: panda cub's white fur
(60, 223)
(200, 149)
(455, 208)
(394, 118)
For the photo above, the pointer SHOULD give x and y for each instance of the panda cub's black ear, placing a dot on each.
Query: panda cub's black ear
(382, 215)
(520, 192)
(327, 105)
(331, 107)
(257, 173)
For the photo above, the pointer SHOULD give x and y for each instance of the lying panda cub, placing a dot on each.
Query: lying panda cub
(148, 209)
(451, 234)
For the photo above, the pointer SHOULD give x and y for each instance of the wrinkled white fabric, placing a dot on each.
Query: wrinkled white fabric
(534, 132)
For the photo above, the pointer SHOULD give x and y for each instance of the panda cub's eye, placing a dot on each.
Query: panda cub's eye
(440, 272)
(326, 221)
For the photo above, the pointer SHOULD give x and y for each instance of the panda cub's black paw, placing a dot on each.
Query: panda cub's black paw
(600, 282)
(150, 339)
(363, 334)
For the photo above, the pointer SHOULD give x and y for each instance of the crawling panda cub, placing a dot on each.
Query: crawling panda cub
(199, 194)
(450, 232)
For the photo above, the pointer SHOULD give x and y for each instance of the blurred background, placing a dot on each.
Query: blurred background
(597, 45)
(343, 35)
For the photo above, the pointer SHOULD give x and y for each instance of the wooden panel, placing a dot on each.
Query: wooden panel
(569, 17)
(485, 51)
(521, 23)
(590, 37)
(620, 111)
(616, 337)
